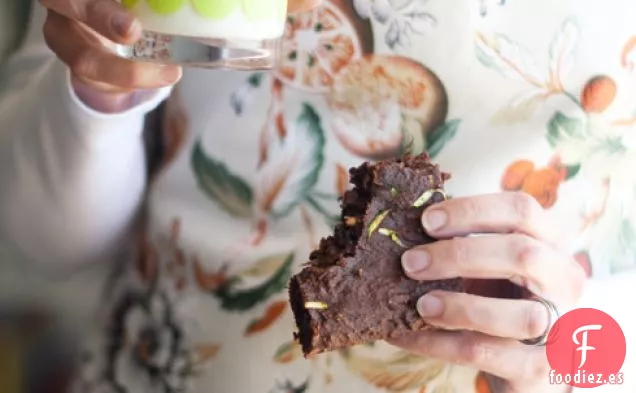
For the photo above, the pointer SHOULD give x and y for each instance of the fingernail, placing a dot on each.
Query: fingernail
(123, 24)
(170, 74)
(429, 306)
(434, 219)
(415, 260)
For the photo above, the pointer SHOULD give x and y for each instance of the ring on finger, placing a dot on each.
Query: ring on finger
(553, 316)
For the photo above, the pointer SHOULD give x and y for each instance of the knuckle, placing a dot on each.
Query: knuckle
(475, 352)
(534, 320)
(77, 9)
(474, 318)
(469, 207)
(134, 75)
(468, 313)
(525, 207)
(84, 64)
(525, 251)
(94, 7)
(457, 252)
(578, 279)
(99, 11)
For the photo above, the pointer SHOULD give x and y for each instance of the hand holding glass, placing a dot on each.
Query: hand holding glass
(220, 34)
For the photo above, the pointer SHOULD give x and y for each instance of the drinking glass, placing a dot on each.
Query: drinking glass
(217, 34)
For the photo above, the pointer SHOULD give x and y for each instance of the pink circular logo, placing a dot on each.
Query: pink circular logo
(586, 348)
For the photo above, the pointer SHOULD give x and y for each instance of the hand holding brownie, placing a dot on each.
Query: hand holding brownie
(520, 245)
(454, 297)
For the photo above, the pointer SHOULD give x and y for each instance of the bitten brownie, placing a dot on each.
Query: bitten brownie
(353, 289)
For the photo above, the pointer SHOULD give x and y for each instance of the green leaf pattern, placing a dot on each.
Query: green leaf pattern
(228, 190)
(588, 144)
(571, 171)
(562, 129)
(591, 145)
(282, 182)
(233, 299)
(439, 137)
(295, 161)
(290, 176)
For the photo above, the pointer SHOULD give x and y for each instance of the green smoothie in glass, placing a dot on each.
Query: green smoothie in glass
(233, 34)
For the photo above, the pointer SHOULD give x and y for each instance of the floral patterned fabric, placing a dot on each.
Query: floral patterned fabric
(535, 96)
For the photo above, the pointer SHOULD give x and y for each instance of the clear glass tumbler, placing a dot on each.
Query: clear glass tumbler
(217, 34)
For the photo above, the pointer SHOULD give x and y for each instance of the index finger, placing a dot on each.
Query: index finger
(507, 212)
(107, 17)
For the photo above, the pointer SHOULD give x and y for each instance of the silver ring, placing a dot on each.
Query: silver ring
(553, 315)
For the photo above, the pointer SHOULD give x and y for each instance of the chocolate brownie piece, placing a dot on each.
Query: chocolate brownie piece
(353, 289)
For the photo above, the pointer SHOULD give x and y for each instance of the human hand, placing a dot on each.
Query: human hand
(519, 244)
(82, 33)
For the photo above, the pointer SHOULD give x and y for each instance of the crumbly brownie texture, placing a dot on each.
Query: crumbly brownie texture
(353, 289)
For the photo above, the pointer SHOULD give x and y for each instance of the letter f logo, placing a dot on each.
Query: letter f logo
(583, 344)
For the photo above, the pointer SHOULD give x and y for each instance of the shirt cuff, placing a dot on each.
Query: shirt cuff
(113, 103)
(85, 119)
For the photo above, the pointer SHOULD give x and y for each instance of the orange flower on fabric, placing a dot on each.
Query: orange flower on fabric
(206, 352)
(543, 184)
(515, 175)
(288, 352)
(481, 384)
(598, 94)
(208, 281)
(271, 315)
(147, 261)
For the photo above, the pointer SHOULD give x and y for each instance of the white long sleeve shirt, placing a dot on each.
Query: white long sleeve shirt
(62, 162)
(517, 96)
